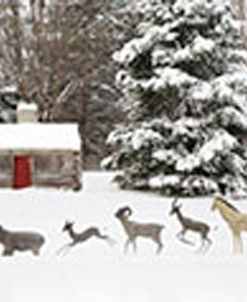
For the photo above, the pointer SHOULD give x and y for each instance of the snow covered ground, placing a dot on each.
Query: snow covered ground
(94, 271)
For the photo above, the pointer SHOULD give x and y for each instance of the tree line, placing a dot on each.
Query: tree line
(58, 54)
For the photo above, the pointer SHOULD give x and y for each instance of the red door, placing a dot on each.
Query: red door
(22, 172)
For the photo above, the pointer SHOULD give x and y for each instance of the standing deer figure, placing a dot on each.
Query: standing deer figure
(189, 224)
(80, 237)
(134, 229)
(236, 220)
(20, 241)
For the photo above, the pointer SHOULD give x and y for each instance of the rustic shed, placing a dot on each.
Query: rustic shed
(39, 154)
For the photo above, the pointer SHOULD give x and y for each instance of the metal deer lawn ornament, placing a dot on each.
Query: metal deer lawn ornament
(81, 237)
(189, 224)
(236, 221)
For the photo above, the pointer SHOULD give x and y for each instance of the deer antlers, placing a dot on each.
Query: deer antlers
(124, 211)
(175, 204)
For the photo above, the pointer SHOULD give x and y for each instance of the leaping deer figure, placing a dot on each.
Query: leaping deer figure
(80, 237)
(189, 224)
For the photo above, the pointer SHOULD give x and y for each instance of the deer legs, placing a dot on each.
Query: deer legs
(237, 242)
(133, 241)
(65, 249)
(126, 246)
(181, 237)
(109, 240)
(160, 247)
(205, 241)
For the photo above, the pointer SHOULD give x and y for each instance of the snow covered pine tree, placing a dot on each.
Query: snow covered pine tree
(184, 83)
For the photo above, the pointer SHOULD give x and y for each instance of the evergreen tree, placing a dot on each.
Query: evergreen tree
(9, 98)
(184, 84)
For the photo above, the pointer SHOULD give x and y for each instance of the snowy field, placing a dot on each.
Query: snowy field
(97, 272)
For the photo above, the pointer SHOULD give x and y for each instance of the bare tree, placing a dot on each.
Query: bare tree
(58, 53)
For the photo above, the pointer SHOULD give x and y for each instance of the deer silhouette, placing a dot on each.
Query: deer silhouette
(189, 224)
(80, 237)
(20, 241)
(134, 229)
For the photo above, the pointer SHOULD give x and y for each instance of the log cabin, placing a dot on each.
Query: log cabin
(39, 154)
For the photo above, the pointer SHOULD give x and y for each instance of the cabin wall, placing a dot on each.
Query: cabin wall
(6, 170)
(58, 170)
(49, 168)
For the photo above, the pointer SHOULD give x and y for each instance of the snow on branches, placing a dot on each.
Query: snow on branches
(184, 84)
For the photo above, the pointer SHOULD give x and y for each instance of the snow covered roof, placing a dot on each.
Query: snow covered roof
(27, 106)
(8, 89)
(37, 136)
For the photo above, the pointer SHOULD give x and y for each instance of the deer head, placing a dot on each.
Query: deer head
(68, 225)
(123, 212)
(175, 206)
